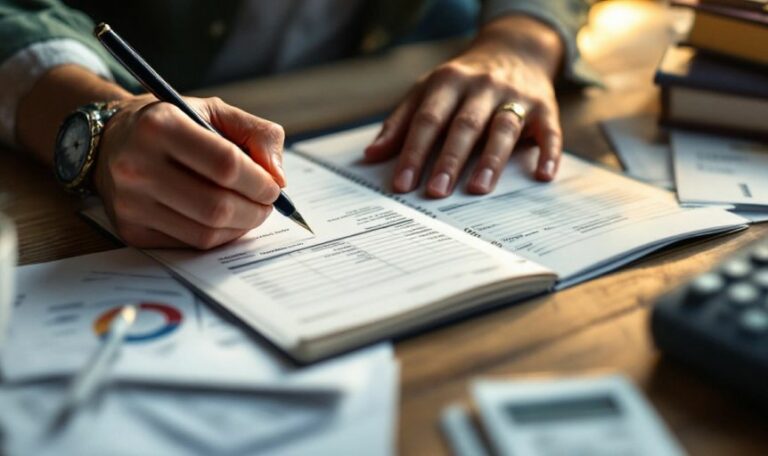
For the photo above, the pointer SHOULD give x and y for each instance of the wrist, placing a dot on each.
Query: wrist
(56, 95)
(526, 38)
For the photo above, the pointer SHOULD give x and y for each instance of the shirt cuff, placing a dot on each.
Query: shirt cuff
(566, 17)
(20, 72)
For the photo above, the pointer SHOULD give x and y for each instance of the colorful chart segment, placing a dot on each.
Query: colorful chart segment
(171, 316)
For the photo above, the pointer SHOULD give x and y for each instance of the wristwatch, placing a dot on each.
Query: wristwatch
(77, 146)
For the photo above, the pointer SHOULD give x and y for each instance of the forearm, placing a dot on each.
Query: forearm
(524, 36)
(57, 93)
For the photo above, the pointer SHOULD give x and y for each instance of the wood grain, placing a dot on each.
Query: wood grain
(601, 324)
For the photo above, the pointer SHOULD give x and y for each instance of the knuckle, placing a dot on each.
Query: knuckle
(206, 238)
(513, 93)
(493, 161)
(123, 169)
(450, 162)
(272, 134)
(222, 212)
(490, 80)
(154, 118)
(411, 158)
(507, 124)
(469, 121)
(228, 167)
(428, 118)
(269, 192)
(449, 72)
(261, 214)
(215, 101)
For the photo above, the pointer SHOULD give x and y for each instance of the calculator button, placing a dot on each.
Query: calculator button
(742, 294)
(705, 286)
(760, 278)
(760, 254)
(754, 321)
(736, 269)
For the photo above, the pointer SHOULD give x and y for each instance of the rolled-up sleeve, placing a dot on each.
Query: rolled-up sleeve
(566, 17)
(20, 72)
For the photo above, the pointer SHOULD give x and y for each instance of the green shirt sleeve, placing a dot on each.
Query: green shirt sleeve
(25, 22)
(564, 16)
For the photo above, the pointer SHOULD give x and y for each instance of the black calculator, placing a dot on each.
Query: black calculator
(718, 322)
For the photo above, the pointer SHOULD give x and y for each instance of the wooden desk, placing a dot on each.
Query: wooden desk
(601, 324)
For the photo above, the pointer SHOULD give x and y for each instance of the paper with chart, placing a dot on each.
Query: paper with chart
(155, 420)
(717, 170)
(65, 307)
(367, 248)
(587, 220)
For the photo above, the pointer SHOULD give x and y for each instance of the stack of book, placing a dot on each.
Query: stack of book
(717, 80)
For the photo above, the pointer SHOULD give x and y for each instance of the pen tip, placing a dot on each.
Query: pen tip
(296, 217)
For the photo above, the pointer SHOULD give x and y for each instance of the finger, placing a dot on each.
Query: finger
(503, 134)
(550, 140)
(137, 211)
(261, 139)
(146, 238)
(205, 203)
(392, 133)
(210, 155)
(428, 121)
(466, 128)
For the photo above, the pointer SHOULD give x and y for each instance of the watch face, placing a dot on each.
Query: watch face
(72, 147)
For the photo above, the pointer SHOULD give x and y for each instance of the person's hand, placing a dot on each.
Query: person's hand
(167, 182)
(513, 60)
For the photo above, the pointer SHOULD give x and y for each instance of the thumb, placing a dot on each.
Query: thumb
(261, 139)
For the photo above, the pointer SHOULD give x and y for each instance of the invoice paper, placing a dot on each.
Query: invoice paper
(586, 221)
(721, 171)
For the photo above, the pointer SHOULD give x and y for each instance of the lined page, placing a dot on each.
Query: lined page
(584, 220)
(371, 258)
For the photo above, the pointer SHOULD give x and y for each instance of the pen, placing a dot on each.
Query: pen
(156, 85)
(92, 375)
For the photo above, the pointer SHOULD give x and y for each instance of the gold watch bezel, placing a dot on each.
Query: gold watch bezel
(96, 114)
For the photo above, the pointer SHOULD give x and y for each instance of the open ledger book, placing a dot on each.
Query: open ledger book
(381, 265)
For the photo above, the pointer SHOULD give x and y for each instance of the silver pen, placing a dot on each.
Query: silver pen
(91, 377)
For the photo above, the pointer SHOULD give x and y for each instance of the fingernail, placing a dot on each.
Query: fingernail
(483, 179)
(404, 181)
(439, 184)
(549, 168)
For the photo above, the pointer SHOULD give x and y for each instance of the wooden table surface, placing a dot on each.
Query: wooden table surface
(599, 325)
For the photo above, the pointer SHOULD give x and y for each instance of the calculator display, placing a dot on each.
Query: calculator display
(565, 409)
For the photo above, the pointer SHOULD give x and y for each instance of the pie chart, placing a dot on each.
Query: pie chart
(165, 319)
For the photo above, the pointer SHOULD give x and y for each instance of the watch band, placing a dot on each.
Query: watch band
(98, 114)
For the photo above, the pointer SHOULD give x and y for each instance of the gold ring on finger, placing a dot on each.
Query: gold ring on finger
(515, 108)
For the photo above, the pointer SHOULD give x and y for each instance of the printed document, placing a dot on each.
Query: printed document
(720, 171)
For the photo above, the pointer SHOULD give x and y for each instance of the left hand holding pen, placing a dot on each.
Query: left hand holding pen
(498, 89)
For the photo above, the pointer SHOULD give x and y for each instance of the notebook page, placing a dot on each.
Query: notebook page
(586, 219)
(371, 258)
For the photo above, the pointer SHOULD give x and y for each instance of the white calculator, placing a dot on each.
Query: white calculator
(597, 416)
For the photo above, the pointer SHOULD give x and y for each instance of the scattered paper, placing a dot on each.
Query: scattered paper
(642, 147)
(64, 308)
(715, 170)
(143, 420)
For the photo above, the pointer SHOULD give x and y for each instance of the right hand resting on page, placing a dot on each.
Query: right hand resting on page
(166, 181)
